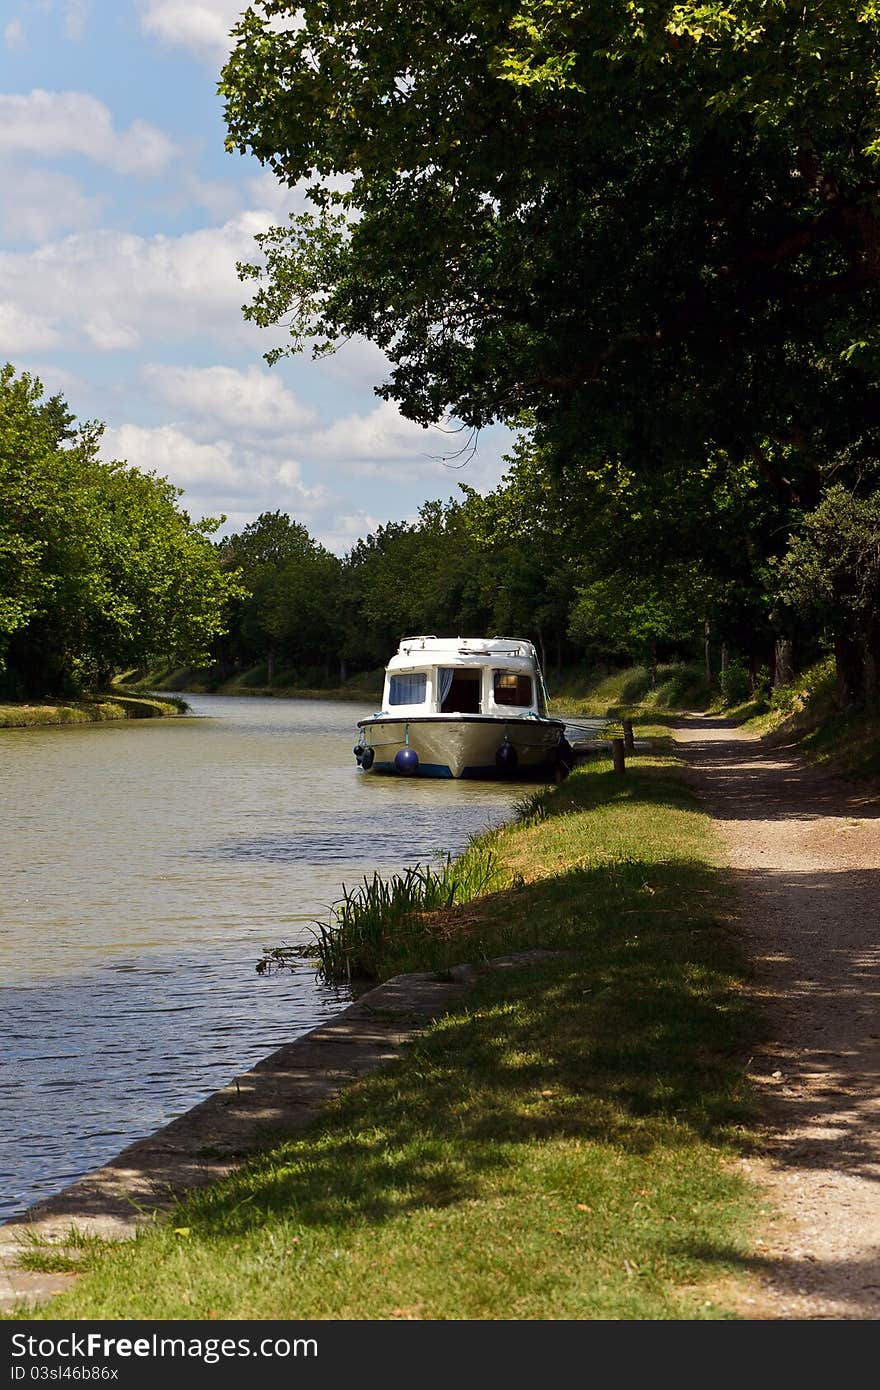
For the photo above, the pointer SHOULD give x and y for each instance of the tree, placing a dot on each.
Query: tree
(831, 572)
(623, 617)
(289, 607)
(419, 577)
(26, 457)
(99, 567)
(654, 228)
(658, 222)
(527, 538)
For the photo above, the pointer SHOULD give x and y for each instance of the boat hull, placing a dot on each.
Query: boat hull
(464, 746)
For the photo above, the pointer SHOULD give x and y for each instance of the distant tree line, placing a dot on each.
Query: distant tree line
(596, 565)
(318, 618)
(593, 559)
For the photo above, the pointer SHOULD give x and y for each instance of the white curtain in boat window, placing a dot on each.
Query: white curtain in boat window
(445, 674)
(409, 689)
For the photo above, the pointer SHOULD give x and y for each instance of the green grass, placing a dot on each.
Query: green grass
(805, 715)
(95, 709)
(617, 692)
(377, 928)
(561, 1146)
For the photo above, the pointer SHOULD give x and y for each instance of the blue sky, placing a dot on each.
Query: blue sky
(120, 226)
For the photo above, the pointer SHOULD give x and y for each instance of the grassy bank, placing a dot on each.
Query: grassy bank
(599, 693)
(366, 686)
(563, 1145)
(96, 709)
(806, 715)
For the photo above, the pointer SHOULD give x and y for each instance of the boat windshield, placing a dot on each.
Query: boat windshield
(409, 689)
(513, 688)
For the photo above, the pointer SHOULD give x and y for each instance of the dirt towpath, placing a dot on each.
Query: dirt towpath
(805, 854)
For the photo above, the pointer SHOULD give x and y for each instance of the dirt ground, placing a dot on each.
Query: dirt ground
(805, 854)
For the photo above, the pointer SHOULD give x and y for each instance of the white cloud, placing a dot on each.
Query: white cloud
(251, 402)
(358, 364)
(42, 203)
(56, 379)
(383, 444)
(75, 16)
(222, 200)
(110, 289)
(73, 12)
(202, 27)
(53, 124)
(13, 34)
(269, 192)
(23, 332)
(218, 476)
(107, 333)
(380, 436)
(348, 528)
(167, 450)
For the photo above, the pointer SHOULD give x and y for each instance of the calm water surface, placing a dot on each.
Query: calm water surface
(143, 868)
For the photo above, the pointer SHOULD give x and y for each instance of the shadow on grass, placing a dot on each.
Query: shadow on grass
(595, 786)
(632, 1041)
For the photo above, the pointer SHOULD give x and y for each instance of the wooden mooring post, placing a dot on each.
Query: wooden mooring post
(618, 755)
(629, 742)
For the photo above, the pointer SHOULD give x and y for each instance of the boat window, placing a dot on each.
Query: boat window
(459, 691)
(513, 689)
(410, 689)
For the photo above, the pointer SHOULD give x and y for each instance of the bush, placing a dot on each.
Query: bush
(735, 683)
(811, 690)
(681, 687)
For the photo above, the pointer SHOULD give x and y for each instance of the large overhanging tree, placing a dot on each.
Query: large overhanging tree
(654, 227)
(665, 213)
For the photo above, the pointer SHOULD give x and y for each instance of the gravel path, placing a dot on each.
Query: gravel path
(805, 852)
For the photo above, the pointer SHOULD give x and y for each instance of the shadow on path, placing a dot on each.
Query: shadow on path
(805, 855)
(745, 780)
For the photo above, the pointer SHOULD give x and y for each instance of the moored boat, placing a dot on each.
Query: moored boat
(464, 707)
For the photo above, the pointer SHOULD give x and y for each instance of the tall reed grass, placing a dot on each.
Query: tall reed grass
(385, 919)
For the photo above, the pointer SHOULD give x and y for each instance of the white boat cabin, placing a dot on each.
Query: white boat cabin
(497, 677)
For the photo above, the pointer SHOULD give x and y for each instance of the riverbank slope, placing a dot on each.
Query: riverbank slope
(95, 709)
(366, 686)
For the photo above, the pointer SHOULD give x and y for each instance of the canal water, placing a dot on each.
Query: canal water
(144, 866)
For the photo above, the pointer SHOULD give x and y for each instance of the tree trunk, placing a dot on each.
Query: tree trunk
(653, 651)
(783, 662)
(850, 670)
(725, 657)
(871, 665)
(707, 648)
(270, 665)
(343, 671)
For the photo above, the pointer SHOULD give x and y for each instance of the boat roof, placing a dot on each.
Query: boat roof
(431, 650)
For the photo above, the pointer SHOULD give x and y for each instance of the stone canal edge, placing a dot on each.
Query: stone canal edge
(278, 1097)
